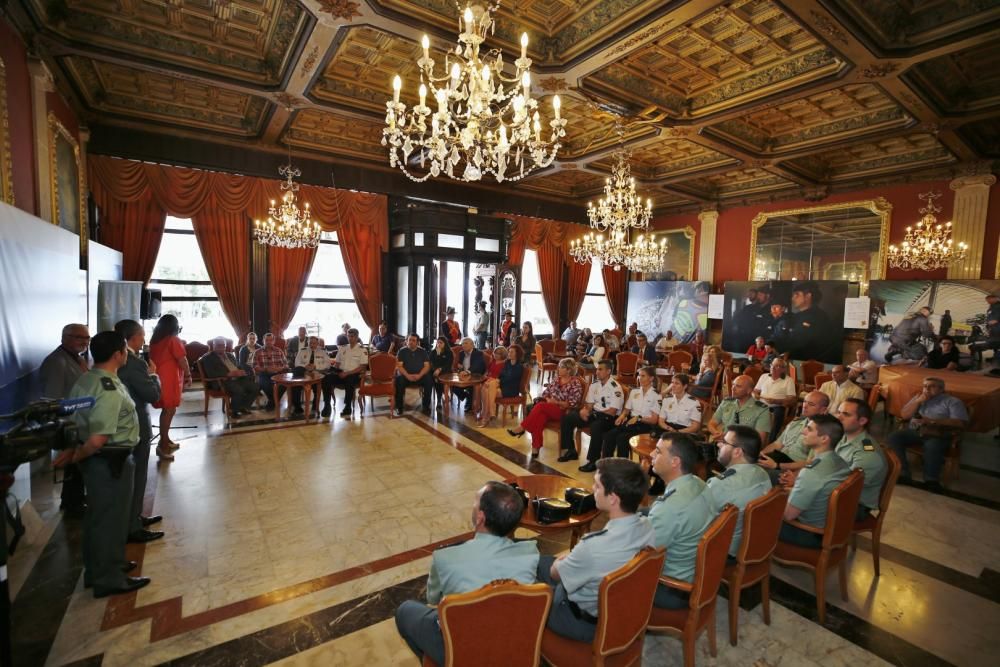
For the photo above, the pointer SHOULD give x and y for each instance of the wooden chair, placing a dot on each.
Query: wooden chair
(455, 351)
(726, 358)
(678, 359)
(560, 348)
(624, 602)
(873, 523)
(195, 351)
(548, 347)
(520, 609)
(628, 364)
(820, 379)
(841, 507)
(874, 394)
(684, 347)
(521, 400)
(753, 372)
(761, 524)
(700, 613)
(544, 366)
(379, 381)
(809, 370)
(214, 388)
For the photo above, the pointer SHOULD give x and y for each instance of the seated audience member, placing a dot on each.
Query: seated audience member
(619, 487)
(313, 358)
(570, 335)
(681, 515)
(612, 341)
(631, 339)
(704, 381)
(559, 397)
(221, 366)
(465, 567)
(583, 342)
(758, 351)
(935, 417)
(840, 388)
(813, 484)
(863, 372)
(442, 362)
(771, 355)
(678, 410)
(788, 452)
(244, 354)
(647, 355)
(740, 408)
(945, 355)
(383, 340)
(666, 343)
(778, 391)
(293, 345)
(349, 367)
(641, 415)
(742, 480)
(342, 337)
(598, 351)
(491, 386)
(413, 369)
(861, 452)
(601, 406)
(698, 346)
(470, 360)
(268, 361)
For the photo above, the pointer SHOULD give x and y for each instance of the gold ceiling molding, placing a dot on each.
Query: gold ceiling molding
(6, 161)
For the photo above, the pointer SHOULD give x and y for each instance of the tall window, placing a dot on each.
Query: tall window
(327, 301)
(595, 312)
(532, 304)
(180, 274)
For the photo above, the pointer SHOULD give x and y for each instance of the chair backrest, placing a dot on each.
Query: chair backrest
(754, 372)
(725, 358)
(548, 345)
(194, 351)
(809, 370)
(627, 363)
(762, 519)
(525, 379)
(383, 367)
(711, 560)
(873, 396)
(560, 346)
(678, 358)
(820, 379)
(488, 354)
(683, 347)
(520, 609)
(889, 485)
(625, 601)
(455, 351)
(280, 342)
(841, 508)
(213, 386)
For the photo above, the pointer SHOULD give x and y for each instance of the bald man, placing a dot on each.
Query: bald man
(741, 408)
(840, 388)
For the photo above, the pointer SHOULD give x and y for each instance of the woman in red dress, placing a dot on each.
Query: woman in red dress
(559, 397)
(166, 350)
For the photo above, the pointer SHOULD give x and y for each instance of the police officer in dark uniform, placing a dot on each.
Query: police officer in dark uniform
(992, 330)
(108, 431)
(812, 334)
(778, 329)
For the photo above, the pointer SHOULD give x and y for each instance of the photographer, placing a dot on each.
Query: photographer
(108, 431)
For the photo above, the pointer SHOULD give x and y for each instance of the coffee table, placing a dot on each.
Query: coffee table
(552, 486)
(289, 381)
(450, 380)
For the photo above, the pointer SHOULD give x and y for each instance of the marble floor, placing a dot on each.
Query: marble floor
(292, 543)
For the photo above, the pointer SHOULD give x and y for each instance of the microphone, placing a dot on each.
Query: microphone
(68, 406)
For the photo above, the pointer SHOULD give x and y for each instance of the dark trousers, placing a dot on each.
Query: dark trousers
(105, 527)
(935, 449)
(670, 598)
(349, 383)
(418, 626)
(797, 536)
(426, 383)
(242, 392)
(72, 494)
(616, 440)
(140, 456)
(976, 349)
(777, 421)
(599, 425)
(565, 619)
(266, 386)
(463, 393)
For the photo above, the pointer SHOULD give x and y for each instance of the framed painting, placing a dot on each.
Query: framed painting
(679, 262)
(6, 169)
(67, 185)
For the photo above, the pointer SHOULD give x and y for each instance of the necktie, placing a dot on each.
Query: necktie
(312, 357)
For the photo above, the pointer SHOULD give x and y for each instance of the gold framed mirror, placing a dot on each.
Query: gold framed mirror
(67, 182)
(680, 251)
(6, 162)
(843, 241)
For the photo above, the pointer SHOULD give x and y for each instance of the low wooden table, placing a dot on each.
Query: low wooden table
(450, 380)
(552, 486)
(287, 380)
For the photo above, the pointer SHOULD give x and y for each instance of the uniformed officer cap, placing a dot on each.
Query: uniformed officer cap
(764, 288)
(810, 286)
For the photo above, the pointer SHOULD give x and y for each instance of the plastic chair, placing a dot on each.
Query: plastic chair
(520, 609)
(841, 508)
(704, 590)
(214, 388)
(761, 524)
(521, 400)
(624, 602)
(380, 381)
(873, 523)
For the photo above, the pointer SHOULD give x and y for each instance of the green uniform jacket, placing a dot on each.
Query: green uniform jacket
(738, 484)
(473, 564)
(814, 485)
(753, 413)
(680, 517)
(862, 453)
(113, 413)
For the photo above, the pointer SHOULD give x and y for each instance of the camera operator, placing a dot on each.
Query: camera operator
(59, 371)
(108, 431)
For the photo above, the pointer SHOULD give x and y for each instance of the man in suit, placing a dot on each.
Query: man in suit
(293, 345)
(144, 387)
(470, 360)
(646, 352)
(221, 366)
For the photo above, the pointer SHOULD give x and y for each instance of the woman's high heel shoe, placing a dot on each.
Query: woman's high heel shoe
(515, 433)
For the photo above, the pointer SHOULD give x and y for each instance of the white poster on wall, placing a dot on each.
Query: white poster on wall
(716, 306)
(856, 312)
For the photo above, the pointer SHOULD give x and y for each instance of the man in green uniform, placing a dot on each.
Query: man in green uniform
(463, 568)
(741, 408)
(788, 452)
(108, 432)
(814, 483)
(861, 452)
(680, 516)
(742, 480)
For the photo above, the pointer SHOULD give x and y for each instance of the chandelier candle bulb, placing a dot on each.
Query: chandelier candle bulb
(397, 84)
(524, 45)
(426, 43)
(556, 106)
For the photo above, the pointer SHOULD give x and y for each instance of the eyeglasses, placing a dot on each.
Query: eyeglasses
(79, 337)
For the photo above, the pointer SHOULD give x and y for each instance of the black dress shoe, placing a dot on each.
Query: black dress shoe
(399, 412)
(150, 520)
(590, 466)
(140, 536)
(515, 433)
(568, 456)
(933, 486)
(129, 566)
(298, 411)
(905, 480)
(346, 412)
(327, 410)
(131, 584)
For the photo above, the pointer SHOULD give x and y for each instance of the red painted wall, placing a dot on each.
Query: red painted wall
(732, 257)
(15, 59)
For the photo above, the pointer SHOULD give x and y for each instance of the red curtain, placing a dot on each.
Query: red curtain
(363, 233)
(515, 251)
(576, 287)
(287, 274)
(550, 271)
(614, 287)
(134, 228)
(224, 239)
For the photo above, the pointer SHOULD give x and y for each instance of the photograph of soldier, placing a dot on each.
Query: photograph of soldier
(659, 306)
(914, 314)
(801, 317)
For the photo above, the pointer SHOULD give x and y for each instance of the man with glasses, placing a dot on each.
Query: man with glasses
(351, 364)
(935, 417)
(742, 480)
(741, 408)
(861, 452)
(59, 372)
(788, 452)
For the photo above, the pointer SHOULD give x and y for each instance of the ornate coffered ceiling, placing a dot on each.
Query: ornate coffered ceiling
(720, 102)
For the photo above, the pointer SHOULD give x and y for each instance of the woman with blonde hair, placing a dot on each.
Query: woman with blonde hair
(710, 369)
(559, 397)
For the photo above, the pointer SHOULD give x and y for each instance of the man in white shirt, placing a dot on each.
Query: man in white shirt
(840, 388)
(604, 400)
(667, 343)
(312, 357)
(571, 334)
(351, 364)
(777, 390)
(863, 371)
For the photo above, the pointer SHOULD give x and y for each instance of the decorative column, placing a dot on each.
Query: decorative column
(706, 244)
(41, 84)
(968, 222)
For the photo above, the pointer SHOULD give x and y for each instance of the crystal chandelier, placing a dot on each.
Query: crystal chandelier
(619, 213)
(288, 226)
(480, 126)
(929, 245)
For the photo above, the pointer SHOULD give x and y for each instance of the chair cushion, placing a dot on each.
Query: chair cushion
(559, 651)
(792, 552)
(668, 618)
